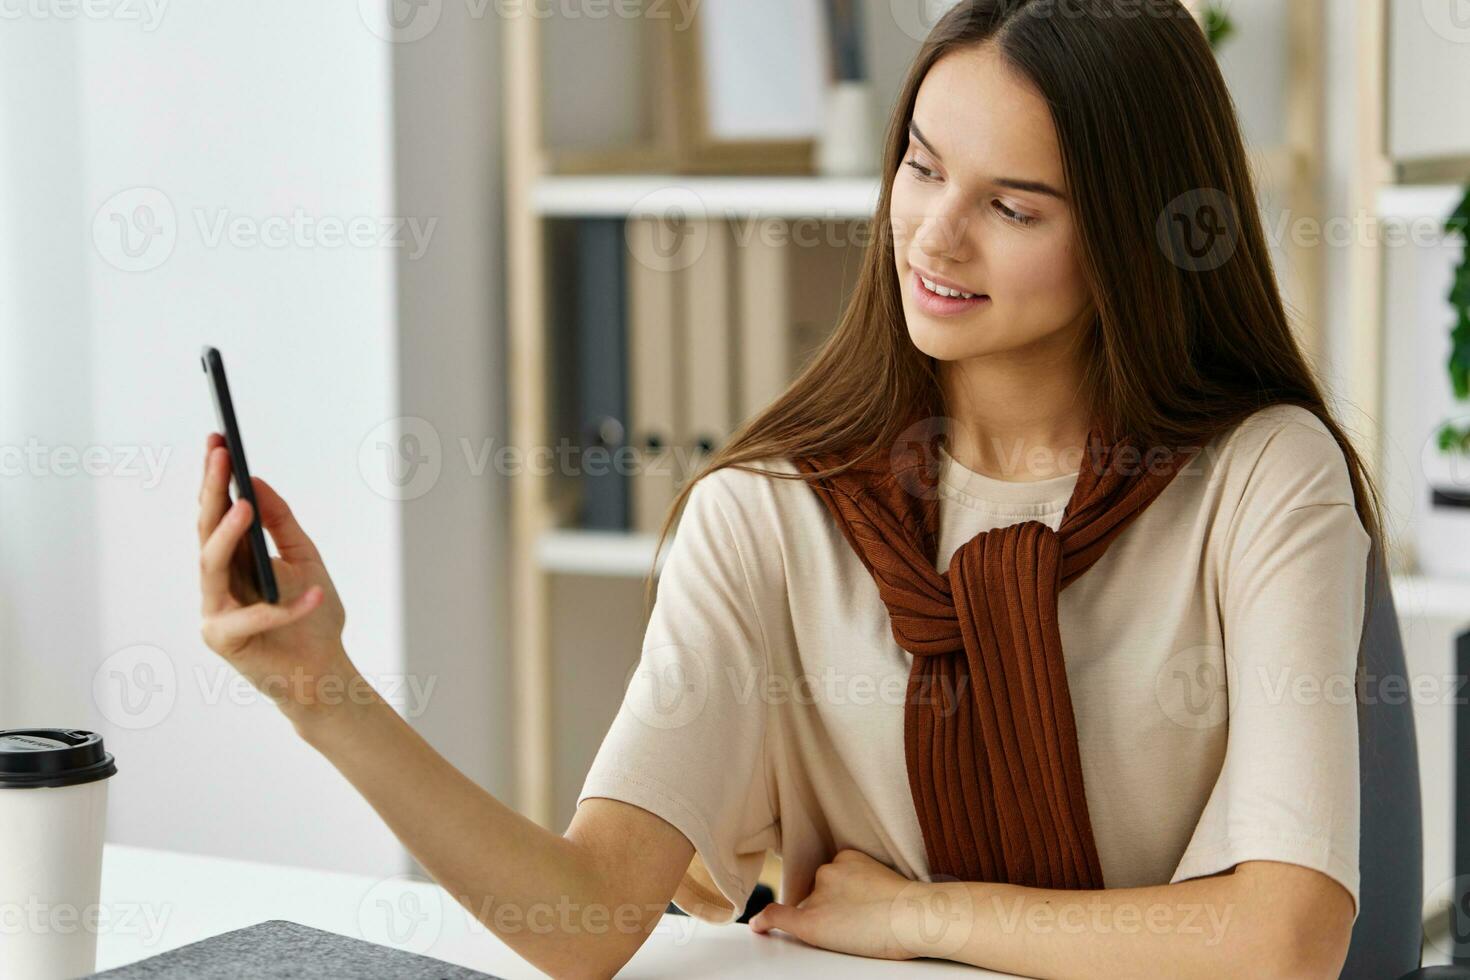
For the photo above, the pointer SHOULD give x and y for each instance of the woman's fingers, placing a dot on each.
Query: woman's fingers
(230, 630)
(276, 517)
(214, 497)
(210, 441)
(215, 556)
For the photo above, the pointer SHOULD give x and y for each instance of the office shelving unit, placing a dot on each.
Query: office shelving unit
(1377, 178)
(1388, 183)
(542, 545)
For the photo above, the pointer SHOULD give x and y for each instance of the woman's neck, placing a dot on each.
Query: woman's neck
(1014, 423)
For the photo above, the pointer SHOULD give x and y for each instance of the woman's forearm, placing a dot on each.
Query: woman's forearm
(1222, 926)
(513, 875)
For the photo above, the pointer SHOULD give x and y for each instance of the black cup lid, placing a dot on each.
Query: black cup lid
(36, 757)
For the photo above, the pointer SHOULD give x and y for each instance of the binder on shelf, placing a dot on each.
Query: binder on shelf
(792, 290)
(707, 324)
(654, 290)
(602, 358)
(561, 381)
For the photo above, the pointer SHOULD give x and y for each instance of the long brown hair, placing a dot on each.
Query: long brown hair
(1179, 351)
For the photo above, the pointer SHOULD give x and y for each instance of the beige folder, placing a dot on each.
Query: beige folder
(793, 283)
(707, 325)
(654, 288)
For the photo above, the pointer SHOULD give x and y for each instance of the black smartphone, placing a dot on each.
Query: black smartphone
(224, 412)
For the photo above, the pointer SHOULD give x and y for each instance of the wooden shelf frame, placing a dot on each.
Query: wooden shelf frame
(530, 507)
(1371, 172)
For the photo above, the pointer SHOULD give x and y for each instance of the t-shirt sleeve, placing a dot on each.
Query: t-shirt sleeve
(1292, 606)
(688, 741)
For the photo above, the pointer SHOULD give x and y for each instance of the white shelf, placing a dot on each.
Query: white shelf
(1432, 597)
(631, 195)
(623, 554)
(616, 554)
(1411, 202)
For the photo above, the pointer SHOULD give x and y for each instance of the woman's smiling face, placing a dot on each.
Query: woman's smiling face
(980, 203)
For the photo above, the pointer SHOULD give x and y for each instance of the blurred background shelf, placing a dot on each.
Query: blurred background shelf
(1432, 597)
(639, 195)
(1418, 201)
(617, 554)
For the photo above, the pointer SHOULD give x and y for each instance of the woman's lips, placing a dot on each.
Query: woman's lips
(936, 305)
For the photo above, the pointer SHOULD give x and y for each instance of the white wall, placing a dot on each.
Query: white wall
(276, 116)
(451, 371)
(252, 111)
(48, 585)
(1429, 67)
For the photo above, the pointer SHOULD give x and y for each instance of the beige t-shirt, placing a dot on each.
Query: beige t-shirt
(1210, 656)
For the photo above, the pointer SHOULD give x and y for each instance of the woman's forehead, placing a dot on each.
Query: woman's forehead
(981, 115)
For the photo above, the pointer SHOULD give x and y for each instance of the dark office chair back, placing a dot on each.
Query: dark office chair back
(1387, 934)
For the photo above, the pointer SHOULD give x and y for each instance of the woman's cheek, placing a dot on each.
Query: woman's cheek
(902, 227)
(1039, 268)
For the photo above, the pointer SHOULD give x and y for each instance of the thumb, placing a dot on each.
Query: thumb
(777, 916)
(276, 518)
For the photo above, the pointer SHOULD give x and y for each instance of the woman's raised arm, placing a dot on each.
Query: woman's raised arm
(576, 905)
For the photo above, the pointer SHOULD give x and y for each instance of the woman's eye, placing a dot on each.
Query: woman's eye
(924, 172)
(1013, 216)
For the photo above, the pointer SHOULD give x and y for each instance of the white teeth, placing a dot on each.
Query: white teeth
(934, 287)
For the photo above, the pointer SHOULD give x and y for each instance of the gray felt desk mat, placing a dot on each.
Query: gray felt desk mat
(281, 949)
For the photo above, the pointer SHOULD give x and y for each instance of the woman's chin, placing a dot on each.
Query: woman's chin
(946, 340)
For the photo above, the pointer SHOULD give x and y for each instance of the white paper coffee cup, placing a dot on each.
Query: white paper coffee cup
(53, 814)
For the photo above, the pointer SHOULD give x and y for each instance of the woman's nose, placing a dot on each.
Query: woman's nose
(943, 234)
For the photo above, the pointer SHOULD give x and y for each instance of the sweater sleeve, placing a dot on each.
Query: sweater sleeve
(688, 740)
(1292, 606)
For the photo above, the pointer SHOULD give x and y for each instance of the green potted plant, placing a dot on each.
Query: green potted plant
(1445, 540)
(1214, 19)
(1217, 24)
(1454, 437)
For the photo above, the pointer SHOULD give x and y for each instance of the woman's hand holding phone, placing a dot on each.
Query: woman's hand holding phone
(456, 830)
(291, 651)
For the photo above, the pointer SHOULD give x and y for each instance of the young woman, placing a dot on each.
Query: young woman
(995, 625)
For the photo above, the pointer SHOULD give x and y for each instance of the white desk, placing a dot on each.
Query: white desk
(154, 901)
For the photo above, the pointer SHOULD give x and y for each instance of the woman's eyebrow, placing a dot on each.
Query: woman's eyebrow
(1014, 183)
